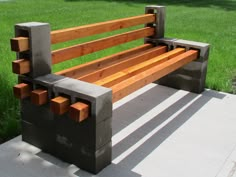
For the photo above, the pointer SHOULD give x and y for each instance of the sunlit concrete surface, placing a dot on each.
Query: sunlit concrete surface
(157, 132)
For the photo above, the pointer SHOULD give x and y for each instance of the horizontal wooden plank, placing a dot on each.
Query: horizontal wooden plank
(102, 73)
(134, 83)
(39, 96)
(20, 44)
(80, 70)
(21, 90)
(100, 44)
(60, 105)
(21, 66)
(131, 71)
(79, 111)
(98, 28)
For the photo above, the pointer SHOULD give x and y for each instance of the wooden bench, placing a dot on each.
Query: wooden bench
(69, 113)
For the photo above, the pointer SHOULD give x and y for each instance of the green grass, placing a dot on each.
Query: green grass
(206, 21)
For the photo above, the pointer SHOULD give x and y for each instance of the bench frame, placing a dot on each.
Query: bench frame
(89, 140)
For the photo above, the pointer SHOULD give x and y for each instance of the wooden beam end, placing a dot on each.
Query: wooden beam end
(79, 111)
(39, 97)
(19, 44)
(21, 90)
(60, 105)
(21, 66)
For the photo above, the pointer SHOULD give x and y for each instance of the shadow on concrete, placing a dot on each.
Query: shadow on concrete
(159, 126)
(228, 5)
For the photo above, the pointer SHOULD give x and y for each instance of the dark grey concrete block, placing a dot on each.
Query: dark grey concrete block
(183, 82)
(159, 24)
(196, 70)
(40, 116)
(38, 125)
(47, 82)
(92, 161)
(85, 143)
(39, 54)
(84, 135)
(100, 98)
(43, 138)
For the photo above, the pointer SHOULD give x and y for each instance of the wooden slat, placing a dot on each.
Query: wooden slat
(21, 90)
(134, 83)
(97, 28)
(21, 66)
(60, 105)
(79, 111)
(131, 71)
(102, 73)
(39, 97)
(80, 70)
(20, 44)
(93, 46)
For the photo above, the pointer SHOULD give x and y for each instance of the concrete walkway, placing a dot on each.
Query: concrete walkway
(157, 132)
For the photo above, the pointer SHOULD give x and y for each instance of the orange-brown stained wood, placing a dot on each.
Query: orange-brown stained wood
(21, 66)
(98, 28)
(80, 70)
(79, 111)
(20, 44)
(21, 90)
(131, 71)
(60, 105)
(132, 84)
(130, 61)
(67, 53)
(39, 96)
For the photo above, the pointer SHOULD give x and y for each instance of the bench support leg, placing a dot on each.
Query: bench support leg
(192, 76)
(86, 144)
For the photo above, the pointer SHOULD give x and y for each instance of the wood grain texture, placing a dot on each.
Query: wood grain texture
(79, 111)
(21, 90)
(133, 70)
(134, 83)
(21, 66)
(39, 97)
(60, 105)
(100, 44)
(130, 61)
(83, 69)
(98, 28)
(20, 44)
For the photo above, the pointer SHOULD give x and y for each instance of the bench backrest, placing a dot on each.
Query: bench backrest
(26, 42)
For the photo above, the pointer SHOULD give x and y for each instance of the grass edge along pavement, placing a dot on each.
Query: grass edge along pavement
(205, 21)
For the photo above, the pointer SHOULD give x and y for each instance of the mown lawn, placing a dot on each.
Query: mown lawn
(203, 20)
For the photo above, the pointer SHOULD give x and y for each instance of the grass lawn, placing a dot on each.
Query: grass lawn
(210, 21)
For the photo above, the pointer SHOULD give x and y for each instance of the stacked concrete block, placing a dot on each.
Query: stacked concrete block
(192, 76)
(38, 122)
(86, 144)
(159, 24)
(39, 53)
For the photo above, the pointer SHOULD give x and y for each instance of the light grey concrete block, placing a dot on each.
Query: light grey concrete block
(202, 47)
(39, 54)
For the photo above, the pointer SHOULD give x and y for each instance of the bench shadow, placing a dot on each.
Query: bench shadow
(160, 126)
(227, 5)
(141, 105)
